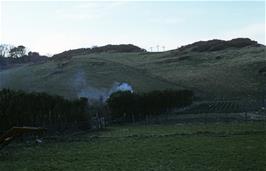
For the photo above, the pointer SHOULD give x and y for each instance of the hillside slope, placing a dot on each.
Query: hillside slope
(224, 73)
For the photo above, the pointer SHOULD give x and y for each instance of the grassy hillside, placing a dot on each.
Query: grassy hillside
(230, 72)
(79, 74)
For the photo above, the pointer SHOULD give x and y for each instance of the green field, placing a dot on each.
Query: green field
(223, 146)
(226, 73)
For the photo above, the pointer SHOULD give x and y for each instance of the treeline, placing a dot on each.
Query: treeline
(6, 62)
(11, 55)
(18, 108)
(96, 49)
(133, 106)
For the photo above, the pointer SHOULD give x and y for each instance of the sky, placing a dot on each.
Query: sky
(51, 27)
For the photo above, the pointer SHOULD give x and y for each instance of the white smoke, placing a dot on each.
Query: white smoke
(83, 88)
(120, 87)
(125, 87)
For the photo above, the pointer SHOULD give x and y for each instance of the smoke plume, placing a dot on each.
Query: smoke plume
(83, 88)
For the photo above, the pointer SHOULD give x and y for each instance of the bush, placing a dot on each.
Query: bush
(18, 108)
(136, 106)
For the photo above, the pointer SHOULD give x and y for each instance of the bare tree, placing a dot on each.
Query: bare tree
(163, 48)
(4, 50)
(158, 48)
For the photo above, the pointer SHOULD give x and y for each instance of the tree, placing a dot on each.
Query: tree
(4, 50)
(17, 52)
(18, 108)
(126, 104)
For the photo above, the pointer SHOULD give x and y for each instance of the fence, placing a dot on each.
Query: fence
(225, 110)
(219, 110)
(224, 106)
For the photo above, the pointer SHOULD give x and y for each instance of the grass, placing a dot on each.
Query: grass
(224, 146)
(234, 73)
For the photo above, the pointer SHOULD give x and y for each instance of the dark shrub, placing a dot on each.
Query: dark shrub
(18, 108)
(127, 104)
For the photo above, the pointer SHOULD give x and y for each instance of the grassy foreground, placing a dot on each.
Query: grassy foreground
(226, 146)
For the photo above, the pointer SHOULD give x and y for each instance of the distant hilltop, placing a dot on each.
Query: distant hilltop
(96, 49)
(11, 56)
(215, 45)
(200, 46)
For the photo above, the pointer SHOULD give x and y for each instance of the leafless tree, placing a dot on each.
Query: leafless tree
(5, 49)
(158, 48)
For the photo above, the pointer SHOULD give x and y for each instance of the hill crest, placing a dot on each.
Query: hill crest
(107, 48)
(216, 45)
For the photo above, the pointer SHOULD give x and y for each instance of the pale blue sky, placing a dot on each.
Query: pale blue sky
(52, 27)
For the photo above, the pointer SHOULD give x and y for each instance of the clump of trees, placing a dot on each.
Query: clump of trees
(11, 55)
(18, 108)
(133, 106)
(17, 52)
(12, 51)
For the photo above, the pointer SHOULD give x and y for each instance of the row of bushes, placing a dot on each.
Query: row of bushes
(135, 106)
(18, 108)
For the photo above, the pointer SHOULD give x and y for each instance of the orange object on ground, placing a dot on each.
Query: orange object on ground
(14, 132)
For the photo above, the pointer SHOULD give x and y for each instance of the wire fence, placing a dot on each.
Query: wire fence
(219, 110)
(223, 110)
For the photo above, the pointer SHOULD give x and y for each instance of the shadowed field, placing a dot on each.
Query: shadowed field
(222, 146)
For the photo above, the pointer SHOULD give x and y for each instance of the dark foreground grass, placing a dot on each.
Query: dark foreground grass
(228, 146)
